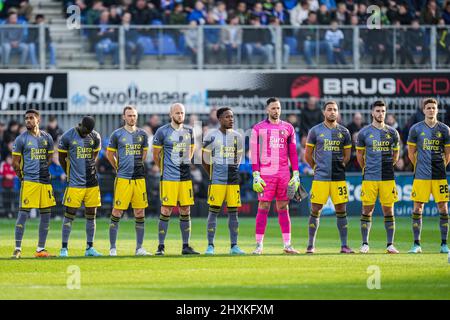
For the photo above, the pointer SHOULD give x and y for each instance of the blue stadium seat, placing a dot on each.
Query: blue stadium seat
(182, 45)
(293, 46)
(167, 45)
(149, 46)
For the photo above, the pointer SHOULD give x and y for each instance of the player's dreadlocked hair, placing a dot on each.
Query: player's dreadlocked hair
(222, 111)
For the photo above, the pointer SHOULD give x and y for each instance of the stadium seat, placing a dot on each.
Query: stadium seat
(167, 45)
(293, 45)
(149, 46)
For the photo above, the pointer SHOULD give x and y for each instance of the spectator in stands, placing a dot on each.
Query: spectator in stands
(341, 15)
(242, 13)
(14, 41)
(308, 37)
(331, 4)
(430, 14)
(12, 132)
(154, 122)
(198, 14)
(363, 15)
(191, 38)
(106, 41)
(281, 14)
(7, 177)
(141, 13)
(299, 13)
(403, 15)
(213, 46)
(178, 16)
(22, 7)
(257, 42)
(260, 13)
(2, 139)
(232, 39)
(310, 116)
(414, 42)
(34, 44)
(132, 44)
(114, 15)
(379, 43)
(220, 13)
(446, 13)
(274, 22)
(392, 121)
(335, 37)
(53, 128)
(443, 41)
(356, 124)
(323, 15)
(93, 14)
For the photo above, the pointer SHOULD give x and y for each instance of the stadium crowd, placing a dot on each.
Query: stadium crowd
(223, 45)
(310, 116)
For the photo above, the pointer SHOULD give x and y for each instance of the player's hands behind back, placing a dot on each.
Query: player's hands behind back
(258, 182)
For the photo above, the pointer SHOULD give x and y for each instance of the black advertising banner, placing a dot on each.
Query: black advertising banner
(342, 85)
(18, 91)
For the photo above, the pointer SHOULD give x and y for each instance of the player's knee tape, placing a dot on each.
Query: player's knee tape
(232, 210)
(389, 219)
(163, 217)
(366, 218)
(214, 209)
(45, 211)
(185, 217)
(341, 215)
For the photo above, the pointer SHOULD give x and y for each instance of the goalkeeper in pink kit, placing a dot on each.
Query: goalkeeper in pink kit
(272, 143)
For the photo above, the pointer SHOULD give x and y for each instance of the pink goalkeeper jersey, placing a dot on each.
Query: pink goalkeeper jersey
(271, 145)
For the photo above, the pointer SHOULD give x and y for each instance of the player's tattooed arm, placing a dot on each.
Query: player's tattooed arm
(16, 165)
(309, 156)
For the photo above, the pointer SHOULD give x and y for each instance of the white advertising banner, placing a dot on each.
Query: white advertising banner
(151, 91)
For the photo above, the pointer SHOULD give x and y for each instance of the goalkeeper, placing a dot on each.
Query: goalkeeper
(272, 143)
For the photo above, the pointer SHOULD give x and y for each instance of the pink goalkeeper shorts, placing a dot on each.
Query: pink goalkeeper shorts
(276, 187)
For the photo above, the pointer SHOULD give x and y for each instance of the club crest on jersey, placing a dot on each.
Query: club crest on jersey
(388, 136)
(91, 142)
(422, 134)
(340, 135)
(371, 136)
(140, 139)
(321, 135)
(45, 143)
(74, 143)
(438, 134)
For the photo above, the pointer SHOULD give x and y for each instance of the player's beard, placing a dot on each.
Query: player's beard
(177, 121)
(331, 119)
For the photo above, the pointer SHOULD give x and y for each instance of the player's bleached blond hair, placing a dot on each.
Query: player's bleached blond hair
(175, 105)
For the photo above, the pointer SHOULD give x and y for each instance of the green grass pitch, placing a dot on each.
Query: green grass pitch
(325, 275)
